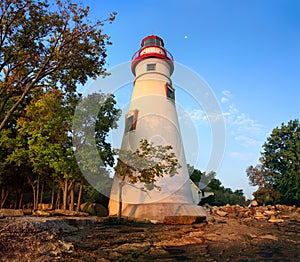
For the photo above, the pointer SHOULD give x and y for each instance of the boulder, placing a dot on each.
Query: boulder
(41, 213)
(45, 207)
(273, 219)
(259, 215)
(221, 213)
(27, 211)
(183, 220)
(5, 212)
(253, 203)
(270, 212)
(61, 212)
(94, 209)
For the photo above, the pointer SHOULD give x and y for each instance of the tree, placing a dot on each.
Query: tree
(260, 176)
(221, 195)
(201, 179)
(145, 165)
(195, 174)
(278, 175)
(281, 156)
(95, 116)
(44, 47)
(266, 195)
(43, 143)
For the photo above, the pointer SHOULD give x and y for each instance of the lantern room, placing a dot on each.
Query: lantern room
(152, 47)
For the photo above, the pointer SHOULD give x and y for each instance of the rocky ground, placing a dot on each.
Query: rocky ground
(231, 233)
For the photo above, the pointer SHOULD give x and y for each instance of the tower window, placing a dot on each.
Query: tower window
(151, 67)
(170, 92)
(131, 120)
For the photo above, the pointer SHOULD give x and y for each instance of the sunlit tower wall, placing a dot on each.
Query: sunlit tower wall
(152, 115)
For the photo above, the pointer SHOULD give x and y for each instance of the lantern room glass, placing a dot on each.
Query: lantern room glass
(153, 42)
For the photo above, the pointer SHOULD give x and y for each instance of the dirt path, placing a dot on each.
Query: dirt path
(223, 240)
(227, 238)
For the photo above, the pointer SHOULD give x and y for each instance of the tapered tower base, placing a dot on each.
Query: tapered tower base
(170, 213)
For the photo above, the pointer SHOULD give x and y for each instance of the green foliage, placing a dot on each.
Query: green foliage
(93, 195)
(281, 156)
(266, 196)
(146, 164)
(46, 46)
(42, 138)
(45, 52)
(200, 178)
(221, 195)
(278, 175)
(95, 116)
(263, 178)
(195, 174)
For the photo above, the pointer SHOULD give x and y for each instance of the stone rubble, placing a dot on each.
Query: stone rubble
(35, 239)
(273, 214)
(230, 233)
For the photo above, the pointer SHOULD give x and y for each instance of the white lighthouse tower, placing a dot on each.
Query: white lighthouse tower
(152, 116)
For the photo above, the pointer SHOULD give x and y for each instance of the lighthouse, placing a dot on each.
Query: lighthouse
(152, 115)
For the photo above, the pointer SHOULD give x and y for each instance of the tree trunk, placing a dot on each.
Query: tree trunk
(58, 199)
(34, 196)
(71, 205)
(120, 200)
(16, 199)
(21, 199)
(79, 195)
(52, 194)
(37, 192)
(42, 192)
(4, 195)
(65, 194)
(71, 195)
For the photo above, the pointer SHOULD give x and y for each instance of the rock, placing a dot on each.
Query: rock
(254, 203)
(207, 207)
(268, 236)
(103, 260)
(258, 215)
(45, 207)
(210, 219)
(41, 213)
(183, 220)
(273, 219)
(154, 221)
(11, 212)
(94, 209)
(68, 247)
(221, 213)
(270, 212)
(61, 212)
(27, 211)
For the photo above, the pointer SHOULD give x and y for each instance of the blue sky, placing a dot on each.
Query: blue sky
(247, 51)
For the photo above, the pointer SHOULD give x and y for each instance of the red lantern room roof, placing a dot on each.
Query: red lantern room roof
(151, 46)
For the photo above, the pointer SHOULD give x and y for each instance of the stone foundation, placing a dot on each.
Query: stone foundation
(166, 213)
